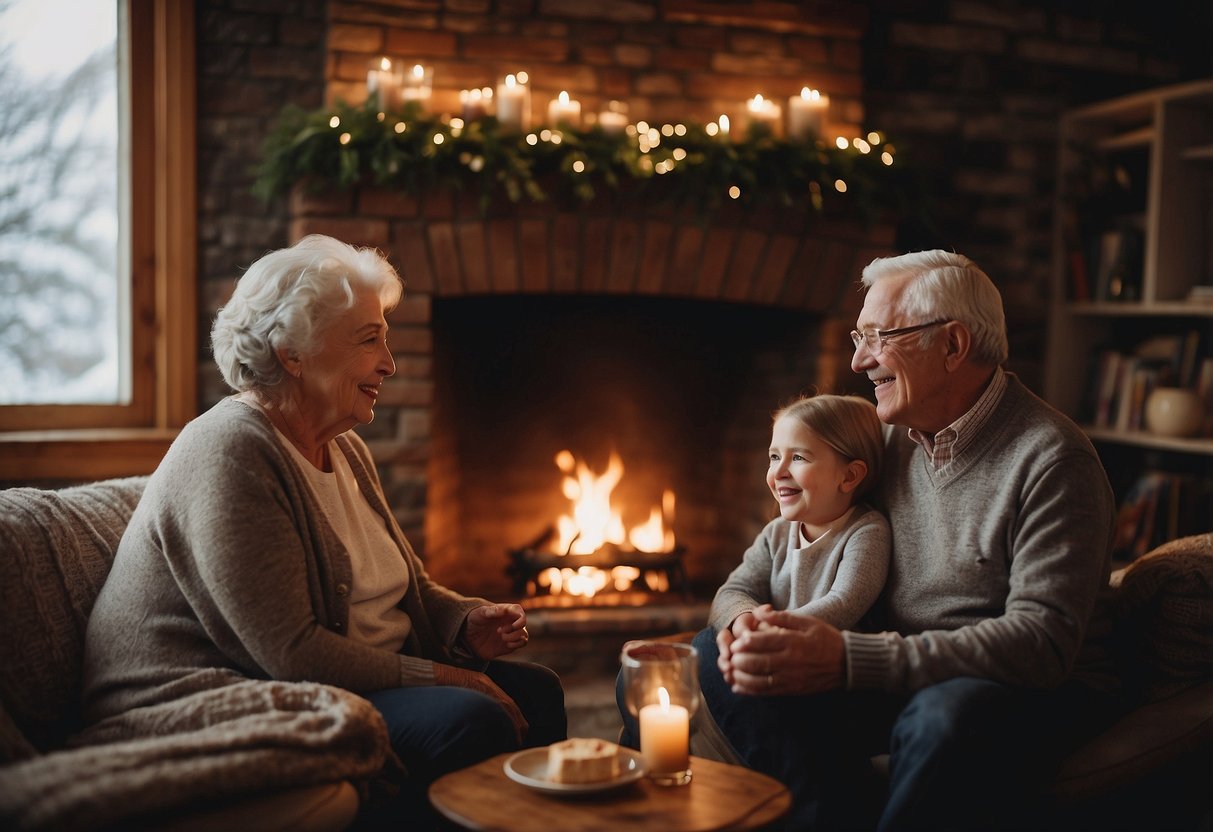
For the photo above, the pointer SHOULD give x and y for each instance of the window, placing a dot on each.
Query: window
(133, 384)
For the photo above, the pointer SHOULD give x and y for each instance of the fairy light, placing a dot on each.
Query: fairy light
(578, 166)
(439, 138)
(886, 157)
(841, 143)
(874, 137)
(335, 122)
(734, 192)
(840, 186)
(712, 128)
(345, 138)
(532, 139)
(400, 127)
(861, 145)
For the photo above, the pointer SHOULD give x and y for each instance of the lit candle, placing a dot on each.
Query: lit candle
(564, 110)
(614, 119)
(806, 114)
(418, 84)
(383, 82)
(665, 736)
(514, 102)
(475, 103)
(763, 112)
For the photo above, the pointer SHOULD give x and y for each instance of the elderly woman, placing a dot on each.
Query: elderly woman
(264, 548)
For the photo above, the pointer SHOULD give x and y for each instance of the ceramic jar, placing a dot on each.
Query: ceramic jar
(1174, 411)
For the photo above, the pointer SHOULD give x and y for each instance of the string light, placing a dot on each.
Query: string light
(654, 149)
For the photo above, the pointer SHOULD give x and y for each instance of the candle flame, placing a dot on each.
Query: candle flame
(385, 64)
(510, 81)
(564, 97)
(418, 71)
(664, 696)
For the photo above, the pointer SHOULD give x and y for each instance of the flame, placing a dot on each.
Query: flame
(593, 522)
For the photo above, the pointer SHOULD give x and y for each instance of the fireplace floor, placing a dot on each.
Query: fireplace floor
(583, 645)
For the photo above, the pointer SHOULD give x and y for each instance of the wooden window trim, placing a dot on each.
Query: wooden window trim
(94, 442)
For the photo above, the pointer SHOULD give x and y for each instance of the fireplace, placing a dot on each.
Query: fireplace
(660, 404)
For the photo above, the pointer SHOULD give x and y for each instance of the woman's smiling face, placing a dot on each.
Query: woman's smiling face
(339, 384)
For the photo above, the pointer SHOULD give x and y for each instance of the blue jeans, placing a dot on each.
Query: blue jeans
(436, 730)
(963, 754)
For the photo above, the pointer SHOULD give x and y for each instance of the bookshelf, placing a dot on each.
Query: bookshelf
(1132, 298)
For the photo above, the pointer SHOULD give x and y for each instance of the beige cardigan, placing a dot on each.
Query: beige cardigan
(228, 571)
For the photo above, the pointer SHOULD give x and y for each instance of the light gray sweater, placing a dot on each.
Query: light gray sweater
(996, 566)
(837, 579)
(229, 571)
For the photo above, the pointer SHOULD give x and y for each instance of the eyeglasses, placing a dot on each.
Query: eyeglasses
(875, 338)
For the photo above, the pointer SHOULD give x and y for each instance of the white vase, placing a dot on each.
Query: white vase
(1174, 411)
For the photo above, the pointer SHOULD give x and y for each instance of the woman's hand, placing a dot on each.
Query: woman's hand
(458, 677)
(785, 654)
(495, 629)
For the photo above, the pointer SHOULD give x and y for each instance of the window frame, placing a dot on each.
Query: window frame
(83, 442)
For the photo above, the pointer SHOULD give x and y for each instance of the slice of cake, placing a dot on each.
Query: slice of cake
(581, 760)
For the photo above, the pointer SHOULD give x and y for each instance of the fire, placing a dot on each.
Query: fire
(593, 522)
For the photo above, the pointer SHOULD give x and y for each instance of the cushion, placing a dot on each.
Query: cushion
(56, 548)
(1164, 619)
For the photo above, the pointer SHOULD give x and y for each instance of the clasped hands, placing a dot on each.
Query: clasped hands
(766, 652)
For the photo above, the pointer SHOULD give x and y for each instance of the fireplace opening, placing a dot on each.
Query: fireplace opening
(664, 403)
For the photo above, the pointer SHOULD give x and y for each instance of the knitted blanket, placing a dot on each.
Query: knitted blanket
(210, 747)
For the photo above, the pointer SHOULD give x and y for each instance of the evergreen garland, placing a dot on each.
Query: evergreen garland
(407, 149)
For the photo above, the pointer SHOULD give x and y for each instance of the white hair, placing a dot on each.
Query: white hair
(285, 301)
(950, 286)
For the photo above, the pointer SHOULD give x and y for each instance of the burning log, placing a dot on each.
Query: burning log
(531, 560)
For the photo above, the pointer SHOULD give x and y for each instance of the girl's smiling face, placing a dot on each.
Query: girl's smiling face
(811, 481)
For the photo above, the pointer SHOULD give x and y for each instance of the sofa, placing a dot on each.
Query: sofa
(254, 755)
(1153, 768)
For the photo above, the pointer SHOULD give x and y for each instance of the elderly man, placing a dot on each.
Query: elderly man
(1001, 516)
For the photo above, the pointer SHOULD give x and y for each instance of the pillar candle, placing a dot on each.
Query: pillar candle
(417, 84)
(475, 103)
(806, 114)
(614, 119)
(383, 83)
(765, 112)
(514, 103)
(664, 736)
(564, 110)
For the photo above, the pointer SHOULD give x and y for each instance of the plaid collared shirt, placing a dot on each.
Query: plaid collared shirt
(950, 442)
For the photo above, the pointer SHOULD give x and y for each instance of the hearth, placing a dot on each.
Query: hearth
(604, 451)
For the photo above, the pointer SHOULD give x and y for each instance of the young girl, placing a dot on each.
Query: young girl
(827, 554)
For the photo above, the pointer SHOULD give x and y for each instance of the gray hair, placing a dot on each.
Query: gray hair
(286, 299)
(948, 285)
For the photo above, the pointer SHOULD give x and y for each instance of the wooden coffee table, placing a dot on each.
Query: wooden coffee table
(719, 797)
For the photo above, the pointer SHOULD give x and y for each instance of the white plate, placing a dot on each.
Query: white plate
(530, 768)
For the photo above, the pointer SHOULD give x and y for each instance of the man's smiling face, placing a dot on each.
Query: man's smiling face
(908, 376)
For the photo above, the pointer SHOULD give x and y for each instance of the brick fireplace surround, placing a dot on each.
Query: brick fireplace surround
(675, 60)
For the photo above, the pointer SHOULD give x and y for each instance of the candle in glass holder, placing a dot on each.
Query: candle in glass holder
(383, 83)
(514, 102)
(664, 736)
(475, 103)
(763, 112)
(564, 110)
(614, 119)
(417, 84)
(806, 114)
